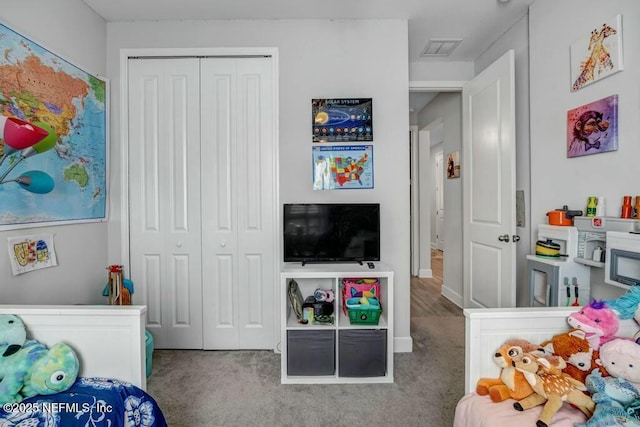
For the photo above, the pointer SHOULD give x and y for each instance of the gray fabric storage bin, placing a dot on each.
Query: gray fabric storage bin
(311, 352)
(362, 353)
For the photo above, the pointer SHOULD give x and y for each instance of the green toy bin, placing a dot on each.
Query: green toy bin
(364, 314)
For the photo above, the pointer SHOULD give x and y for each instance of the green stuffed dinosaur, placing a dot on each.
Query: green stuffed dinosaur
(12, 334)
(29, 368)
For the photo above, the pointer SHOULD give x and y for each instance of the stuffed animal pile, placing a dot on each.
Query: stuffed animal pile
(548, 381)
(28, 367)
(588, 366)
(576, 350)
(511, 383)
(617, 396)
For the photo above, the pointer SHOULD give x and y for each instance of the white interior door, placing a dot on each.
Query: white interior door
(488, 169)
(439, 171)
(164, 188)
(238, 203)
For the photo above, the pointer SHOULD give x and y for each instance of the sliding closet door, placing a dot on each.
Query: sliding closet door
(164, 190)
(238, 203)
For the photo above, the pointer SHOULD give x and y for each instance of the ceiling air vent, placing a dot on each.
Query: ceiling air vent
(440, 47)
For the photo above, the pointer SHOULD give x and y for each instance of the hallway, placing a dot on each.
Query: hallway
(426, 297)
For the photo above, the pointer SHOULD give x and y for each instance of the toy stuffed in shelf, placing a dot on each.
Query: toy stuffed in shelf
(297, 302)
(357, 288)
(30, 369)
(322, 295)
(319, 307)
(511, 383)
(617, 397)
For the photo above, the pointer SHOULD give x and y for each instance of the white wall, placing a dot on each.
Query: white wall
(314, 62)
(448, 107)
(517, 38)
(555, 179)
(74, 32)
(440, 71)
(435, 149)
(423, 181)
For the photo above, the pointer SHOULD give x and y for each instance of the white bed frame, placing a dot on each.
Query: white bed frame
(487, 329)
(109, 340)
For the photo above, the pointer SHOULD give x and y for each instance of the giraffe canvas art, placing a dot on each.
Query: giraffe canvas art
(598, 55)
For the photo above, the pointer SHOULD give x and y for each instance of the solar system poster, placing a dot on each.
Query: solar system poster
(342, 120)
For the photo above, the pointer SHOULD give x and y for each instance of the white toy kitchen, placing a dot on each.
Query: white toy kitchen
(594, 256)
(556, 279)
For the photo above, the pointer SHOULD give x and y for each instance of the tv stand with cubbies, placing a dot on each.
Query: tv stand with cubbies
(340, 352)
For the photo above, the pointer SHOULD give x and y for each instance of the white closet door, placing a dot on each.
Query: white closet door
(238, 198)
(164, 188)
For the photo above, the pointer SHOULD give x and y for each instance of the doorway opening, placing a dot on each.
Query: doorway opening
(428, 151)
(427, 195)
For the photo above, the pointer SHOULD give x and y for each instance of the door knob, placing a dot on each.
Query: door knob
(223, 244)
(504, 238)
(179, 244)
(516, 238)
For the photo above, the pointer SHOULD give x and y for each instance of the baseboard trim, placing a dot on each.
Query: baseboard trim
(425, 273)
(452, 296)
(403, 345)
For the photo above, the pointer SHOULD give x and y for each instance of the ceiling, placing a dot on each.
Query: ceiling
(477, 22)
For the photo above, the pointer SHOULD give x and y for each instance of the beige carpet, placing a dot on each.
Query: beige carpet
(242, 388)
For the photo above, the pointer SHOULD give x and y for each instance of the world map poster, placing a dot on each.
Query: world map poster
(64, 181)
(338, 167)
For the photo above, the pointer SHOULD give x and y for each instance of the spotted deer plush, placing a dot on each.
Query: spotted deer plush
(556, 387)
(511, 383)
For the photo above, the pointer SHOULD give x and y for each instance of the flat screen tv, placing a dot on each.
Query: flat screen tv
(331, 232)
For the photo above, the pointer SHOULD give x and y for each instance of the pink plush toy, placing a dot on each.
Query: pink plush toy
(598, 321)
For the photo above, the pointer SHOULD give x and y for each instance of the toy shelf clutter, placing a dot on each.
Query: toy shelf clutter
(118, 289)
(344, 350)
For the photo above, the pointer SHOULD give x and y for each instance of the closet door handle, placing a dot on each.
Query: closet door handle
(504, 238)
(515, 238)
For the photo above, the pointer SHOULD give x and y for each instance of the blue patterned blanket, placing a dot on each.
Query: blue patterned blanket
(90, 402)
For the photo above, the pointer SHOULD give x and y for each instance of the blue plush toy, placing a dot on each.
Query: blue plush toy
(28, 368)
